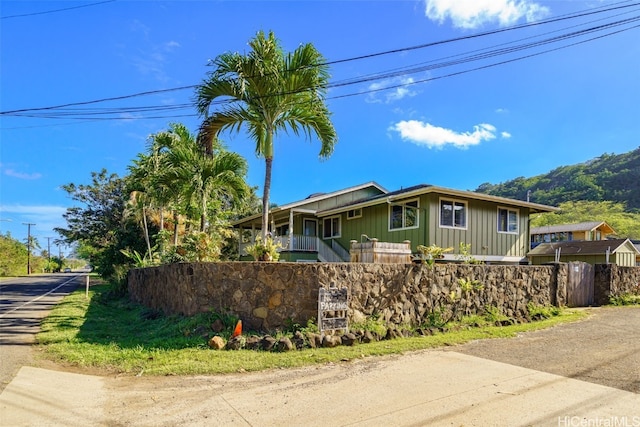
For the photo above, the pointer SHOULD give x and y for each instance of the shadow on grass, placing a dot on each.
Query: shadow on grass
(110, 320)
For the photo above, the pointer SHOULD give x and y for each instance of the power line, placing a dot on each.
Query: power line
(55, 10)
(61, 111)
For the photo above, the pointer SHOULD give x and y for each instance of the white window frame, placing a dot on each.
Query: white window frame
(354, 213)
(333, 234)
(403, 205)
(453, 202)
(509, 211)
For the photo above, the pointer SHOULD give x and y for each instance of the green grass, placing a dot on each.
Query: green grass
(115, 335)
(625, 299)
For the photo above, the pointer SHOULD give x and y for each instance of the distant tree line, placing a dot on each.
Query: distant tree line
(610, 177)
(14, 258)
(606, 188)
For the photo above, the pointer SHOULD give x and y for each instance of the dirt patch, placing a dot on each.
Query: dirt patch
(604, 348)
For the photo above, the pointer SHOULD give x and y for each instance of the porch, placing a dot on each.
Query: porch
(308, 248)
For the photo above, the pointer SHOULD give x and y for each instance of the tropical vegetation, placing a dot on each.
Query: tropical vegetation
(267, 91)
(175, 205)
(15, 258)
(603, 189)
(609, 177)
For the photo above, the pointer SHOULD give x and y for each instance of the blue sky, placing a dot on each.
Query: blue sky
(409, 103)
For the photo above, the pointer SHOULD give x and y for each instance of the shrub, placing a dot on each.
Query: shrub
(624, 299)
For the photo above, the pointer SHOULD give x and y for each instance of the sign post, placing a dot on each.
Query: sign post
(333, 304)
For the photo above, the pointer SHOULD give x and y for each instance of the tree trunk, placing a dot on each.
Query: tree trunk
(176, 218)
(203, 216)
(146, 231)
(265, 197)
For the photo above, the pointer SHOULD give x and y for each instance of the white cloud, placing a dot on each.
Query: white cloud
(38, 210)
(153, 57)
(426, 134)
(44, 217)
(22, 175)
(505, 135)
(475, 13)
(399, 87)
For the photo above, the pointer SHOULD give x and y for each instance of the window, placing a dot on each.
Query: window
(282, 230)
(453, 214)
(331, 227)
(354, 213)
(403, 215)
(507, 220)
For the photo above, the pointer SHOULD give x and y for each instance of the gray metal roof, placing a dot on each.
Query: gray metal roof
(582, 247)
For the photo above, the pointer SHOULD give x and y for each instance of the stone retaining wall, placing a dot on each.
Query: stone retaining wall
(267, 296)
(613, 280)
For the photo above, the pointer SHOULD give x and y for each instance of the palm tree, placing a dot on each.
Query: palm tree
(178, 174)
(269, 92)
(206, 177)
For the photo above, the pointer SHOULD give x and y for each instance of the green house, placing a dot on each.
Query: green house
(322, 226)
(616, 251)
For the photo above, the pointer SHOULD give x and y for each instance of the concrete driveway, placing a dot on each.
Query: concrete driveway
(435, 387)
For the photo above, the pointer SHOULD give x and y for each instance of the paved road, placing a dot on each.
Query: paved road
(604, 349)
(24, 302)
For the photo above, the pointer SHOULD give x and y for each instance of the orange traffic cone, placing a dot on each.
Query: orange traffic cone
(238, 329)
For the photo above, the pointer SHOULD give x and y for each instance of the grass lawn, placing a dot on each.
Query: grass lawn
(116, 335)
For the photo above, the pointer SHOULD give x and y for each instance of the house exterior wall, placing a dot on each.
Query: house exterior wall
(481, 231)
(626, 259)
(622, 258)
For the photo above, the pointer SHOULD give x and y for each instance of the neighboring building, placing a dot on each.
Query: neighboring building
(594, 230)
(618, 251)
(321, 227)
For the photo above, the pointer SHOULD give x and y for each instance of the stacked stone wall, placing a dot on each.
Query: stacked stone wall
(612, 280)
(267, 296)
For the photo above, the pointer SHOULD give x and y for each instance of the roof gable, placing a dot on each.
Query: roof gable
(320, 201)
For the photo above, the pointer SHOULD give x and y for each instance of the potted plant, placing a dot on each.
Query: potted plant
(264, 251)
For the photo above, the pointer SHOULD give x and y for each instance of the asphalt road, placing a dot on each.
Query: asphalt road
(24, 302)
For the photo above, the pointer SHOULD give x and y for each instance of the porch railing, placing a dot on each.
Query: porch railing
(300, 243)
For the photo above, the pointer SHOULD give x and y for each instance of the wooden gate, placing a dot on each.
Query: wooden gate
(580, 284)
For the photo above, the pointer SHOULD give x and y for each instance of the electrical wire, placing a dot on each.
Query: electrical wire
(62, 111)
(56, 10)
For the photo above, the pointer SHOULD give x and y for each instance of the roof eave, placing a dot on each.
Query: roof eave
(534, 207)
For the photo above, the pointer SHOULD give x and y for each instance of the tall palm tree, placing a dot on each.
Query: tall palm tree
(267, 91)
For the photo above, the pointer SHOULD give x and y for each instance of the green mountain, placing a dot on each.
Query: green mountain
(611, 177)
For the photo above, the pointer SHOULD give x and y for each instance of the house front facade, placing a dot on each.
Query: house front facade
(584, 231)
(322, 227)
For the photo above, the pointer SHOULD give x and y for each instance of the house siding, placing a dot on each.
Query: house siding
(374, 222)
(481, 232)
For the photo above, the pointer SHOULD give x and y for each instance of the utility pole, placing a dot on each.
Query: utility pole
(28, 224)
(49, 252)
